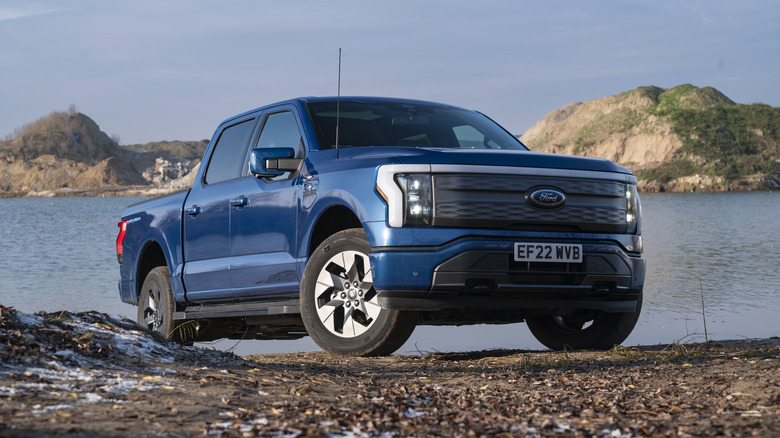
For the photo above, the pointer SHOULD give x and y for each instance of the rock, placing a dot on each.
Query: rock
(184, 181)
(165, 171)
(111, 172)
(706, 183)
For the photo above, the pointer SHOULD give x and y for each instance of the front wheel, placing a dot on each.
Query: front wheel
(583, 329)
(339, 303)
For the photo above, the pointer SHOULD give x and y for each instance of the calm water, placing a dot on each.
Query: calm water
(59, 253)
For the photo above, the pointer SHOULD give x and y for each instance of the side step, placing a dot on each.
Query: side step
(205, 311)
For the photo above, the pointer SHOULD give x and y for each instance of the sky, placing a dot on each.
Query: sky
(173, 70)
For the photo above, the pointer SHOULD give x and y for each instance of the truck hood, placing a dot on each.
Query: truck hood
(482, 157)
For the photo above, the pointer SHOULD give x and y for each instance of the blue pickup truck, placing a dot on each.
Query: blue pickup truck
(354, 219)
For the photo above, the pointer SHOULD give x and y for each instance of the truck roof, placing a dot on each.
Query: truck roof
(301, 101)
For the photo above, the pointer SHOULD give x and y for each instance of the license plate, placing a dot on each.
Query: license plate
(548, 252)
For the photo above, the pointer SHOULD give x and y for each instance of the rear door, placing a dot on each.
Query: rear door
(264, 218)
(207, 215)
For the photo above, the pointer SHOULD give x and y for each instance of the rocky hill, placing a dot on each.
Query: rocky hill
(67, 153)
(680, 139)
(67, 136)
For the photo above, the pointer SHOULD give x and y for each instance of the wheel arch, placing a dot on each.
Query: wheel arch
(150, 257)
(332, 220)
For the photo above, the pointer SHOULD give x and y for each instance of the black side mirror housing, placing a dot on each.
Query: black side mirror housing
(268, 162)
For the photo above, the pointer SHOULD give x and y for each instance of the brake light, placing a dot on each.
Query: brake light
(120, 239)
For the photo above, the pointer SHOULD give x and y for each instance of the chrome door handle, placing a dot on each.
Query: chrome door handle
(193, 211)
(239, 202)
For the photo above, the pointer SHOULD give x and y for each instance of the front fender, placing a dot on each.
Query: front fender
(353, 189)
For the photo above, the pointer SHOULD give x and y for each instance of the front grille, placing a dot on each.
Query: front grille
(546, 273)
(487, 201)
(486, 264)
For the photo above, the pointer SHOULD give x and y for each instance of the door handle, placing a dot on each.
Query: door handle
(239, 202)
(193, 211)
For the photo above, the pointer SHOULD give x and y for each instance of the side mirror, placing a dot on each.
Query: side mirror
(264, 162)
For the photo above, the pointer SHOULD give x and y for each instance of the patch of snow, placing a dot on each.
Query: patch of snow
(91, 397)
(26, 319)
(62, 374)
(411, 413)
(41, 410)
(9, 391)
(64, 353)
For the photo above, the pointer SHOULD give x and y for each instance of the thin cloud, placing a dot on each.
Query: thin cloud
(14, 14)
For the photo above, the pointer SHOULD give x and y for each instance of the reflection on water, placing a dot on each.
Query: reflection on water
(59, 254)
(724, 245)
(730, 241)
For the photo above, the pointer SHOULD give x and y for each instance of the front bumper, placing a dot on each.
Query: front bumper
(482, 274)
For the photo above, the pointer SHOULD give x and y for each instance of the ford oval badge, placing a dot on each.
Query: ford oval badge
(545, 198)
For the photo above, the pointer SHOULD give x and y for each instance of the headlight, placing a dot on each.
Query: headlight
(418, 198)
(633, 210)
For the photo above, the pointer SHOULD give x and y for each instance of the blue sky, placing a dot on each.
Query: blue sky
(168, 70)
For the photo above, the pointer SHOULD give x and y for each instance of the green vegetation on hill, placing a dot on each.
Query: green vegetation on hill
(720, 137)
(735, 140)
(686, 96)
(676, 132)
(190, 150)
(731, 140)
(66, 135)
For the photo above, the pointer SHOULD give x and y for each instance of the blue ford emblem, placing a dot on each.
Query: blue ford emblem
(545, 198)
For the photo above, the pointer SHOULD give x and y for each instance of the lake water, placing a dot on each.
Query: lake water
(59, 253)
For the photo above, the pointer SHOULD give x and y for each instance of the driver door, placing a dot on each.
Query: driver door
(264, 219)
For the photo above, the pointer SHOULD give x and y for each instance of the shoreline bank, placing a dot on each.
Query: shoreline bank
(88, 374)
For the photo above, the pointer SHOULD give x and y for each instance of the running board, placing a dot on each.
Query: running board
(204, 311)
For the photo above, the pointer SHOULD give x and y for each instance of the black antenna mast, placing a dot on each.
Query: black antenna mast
(338, 102)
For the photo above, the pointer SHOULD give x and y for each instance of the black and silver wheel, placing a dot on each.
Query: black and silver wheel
(339, 305)
(155, 304)
(583, 329)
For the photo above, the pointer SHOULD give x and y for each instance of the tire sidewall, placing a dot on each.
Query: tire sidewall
(383, 334)
(607, 330)
(158, 277)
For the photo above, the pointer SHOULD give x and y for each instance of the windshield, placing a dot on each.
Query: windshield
(406, 124)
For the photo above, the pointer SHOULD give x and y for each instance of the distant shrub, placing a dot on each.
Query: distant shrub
(735, 140)
(669, 171)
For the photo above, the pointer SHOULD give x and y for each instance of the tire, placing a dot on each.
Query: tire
(339, 305)
(155, 304)
(571, 330)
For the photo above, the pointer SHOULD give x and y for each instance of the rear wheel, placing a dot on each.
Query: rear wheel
(339, 303)
(583, 329)
(155, 304)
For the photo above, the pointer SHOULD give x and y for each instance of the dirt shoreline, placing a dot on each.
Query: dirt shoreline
(102, 192)
(88, 374)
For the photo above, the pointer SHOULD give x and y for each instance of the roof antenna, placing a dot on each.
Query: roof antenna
(338, 102)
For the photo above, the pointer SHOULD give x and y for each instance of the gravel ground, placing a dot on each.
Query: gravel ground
(88, 374)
